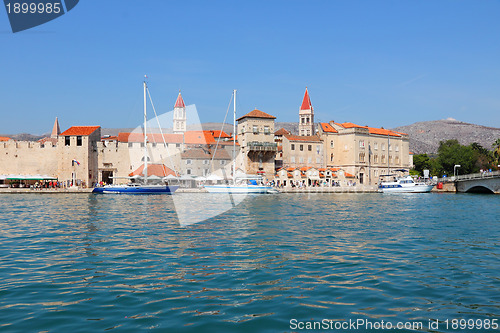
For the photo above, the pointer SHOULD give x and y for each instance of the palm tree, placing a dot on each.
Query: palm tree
(496, 151)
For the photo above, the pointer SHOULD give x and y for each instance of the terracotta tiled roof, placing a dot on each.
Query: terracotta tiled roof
(80, 130)
(159, 170)
(304, 169)
(282, 131)
(179, 103)
(348, 175)
(373, 130)
(205, 154)
(215, 134)
(310, 138)
(45, 140)
(256, 114)
(109, 138)
(306, 102)
(334, 169)
(289, 175)
(326, 127)
(198, 137)
(4, 138)
(152, 137)
(190, 138)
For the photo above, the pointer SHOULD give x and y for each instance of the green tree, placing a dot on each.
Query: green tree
(484, 157)
(451, 153)
(496, 152)
(421, 162)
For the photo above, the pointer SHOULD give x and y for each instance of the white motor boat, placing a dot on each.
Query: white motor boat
(404, 184)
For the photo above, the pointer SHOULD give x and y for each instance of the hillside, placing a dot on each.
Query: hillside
(425, 136)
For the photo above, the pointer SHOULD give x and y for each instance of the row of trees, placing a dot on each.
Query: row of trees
(471, 158)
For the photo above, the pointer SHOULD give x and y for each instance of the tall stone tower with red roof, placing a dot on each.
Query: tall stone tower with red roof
(306, 116)
(179, 115)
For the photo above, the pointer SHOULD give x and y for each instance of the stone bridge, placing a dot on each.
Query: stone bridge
(485, 182)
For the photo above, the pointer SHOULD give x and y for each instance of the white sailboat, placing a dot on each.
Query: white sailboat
(135, 188)
(241, 184)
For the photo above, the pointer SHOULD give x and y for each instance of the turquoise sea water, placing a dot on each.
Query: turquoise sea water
(87, 263)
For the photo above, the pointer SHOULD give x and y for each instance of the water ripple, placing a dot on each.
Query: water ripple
(97, 263)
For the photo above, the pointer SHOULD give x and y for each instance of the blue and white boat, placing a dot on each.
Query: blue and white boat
(404, 184)
(134, 188)
(138, 188)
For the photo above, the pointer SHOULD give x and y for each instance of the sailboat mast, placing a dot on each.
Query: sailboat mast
(234, 135)
(145, 170)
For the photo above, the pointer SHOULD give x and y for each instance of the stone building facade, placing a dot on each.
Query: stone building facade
(256, 140)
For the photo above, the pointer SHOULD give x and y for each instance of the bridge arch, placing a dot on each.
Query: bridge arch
(479, 189)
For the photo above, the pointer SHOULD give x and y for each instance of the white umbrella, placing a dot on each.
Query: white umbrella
(170, 177)
(201, 178)
(186, 177)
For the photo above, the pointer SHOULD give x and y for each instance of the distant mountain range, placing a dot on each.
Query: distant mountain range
(424, 136)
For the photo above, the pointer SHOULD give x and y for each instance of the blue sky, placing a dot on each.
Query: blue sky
(377, 63)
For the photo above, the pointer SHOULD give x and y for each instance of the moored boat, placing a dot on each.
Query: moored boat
(404, 184)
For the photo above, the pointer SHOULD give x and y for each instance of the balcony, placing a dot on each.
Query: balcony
(262, 146)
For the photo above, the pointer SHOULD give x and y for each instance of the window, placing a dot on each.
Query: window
(222, 162)
(142, 159)
(206, 172)
(383, 158)
(189, 162)
(308, 132)
(188, 171)
(331, 144)
(303, 120)
(361, 144)
(67, 140)
(154, 144)
(331, 157)
(309, 147)
(309, 160)
(292, 159)
(383, 146)
(318, 160)
(142, 144)
(397, 148)
(375, 158)
(79, 140)
(375, 146)
(130, 144)
(255, 129)
(361, 157)
(292, 147)
(397, 159)
(266, 130)
(177, 145)
(301, 160)
(301, 147)
(206, 162)
(242, 129)
(390, 147)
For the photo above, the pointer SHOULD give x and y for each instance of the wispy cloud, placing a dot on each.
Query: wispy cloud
(405, 83)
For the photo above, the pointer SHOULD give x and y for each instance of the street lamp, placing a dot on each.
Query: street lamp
(455, 170)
